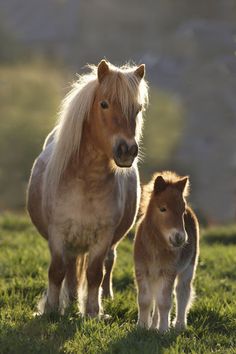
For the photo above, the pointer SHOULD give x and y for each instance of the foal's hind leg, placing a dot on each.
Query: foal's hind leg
(183, 296)
(107, 280)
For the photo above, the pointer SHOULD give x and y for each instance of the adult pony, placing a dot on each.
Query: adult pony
(84, 188)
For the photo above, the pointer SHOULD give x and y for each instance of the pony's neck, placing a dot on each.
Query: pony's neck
(92, 165)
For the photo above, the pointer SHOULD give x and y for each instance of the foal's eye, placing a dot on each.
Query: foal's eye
(104, 104)
(162, 209)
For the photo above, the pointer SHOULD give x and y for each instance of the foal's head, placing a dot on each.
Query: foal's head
(116, 115)
(169, 205)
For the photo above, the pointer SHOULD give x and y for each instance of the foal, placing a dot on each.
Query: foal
(165, 252)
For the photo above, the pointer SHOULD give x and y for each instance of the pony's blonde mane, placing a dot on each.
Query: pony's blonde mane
(120, 85)
(170, 178)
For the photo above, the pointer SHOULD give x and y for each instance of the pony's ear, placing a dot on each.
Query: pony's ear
(159, 184)
(103, 70)
(183, 185)
(140, 71)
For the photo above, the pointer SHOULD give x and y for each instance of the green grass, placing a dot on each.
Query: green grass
(24, 260)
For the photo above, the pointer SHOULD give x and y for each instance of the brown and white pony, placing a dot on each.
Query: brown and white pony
(84, 188)
(165, 251)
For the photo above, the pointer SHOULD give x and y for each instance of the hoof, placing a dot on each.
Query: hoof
(180, 327)
(106, 317)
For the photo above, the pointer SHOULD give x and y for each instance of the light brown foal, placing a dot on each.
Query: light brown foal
(165, 252)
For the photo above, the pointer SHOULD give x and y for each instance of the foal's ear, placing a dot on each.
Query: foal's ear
(103, 70)
(140, 71)
(159, 184)
(183, 185)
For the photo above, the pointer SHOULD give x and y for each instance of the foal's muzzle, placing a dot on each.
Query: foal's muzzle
(124, 153)
(178, 239)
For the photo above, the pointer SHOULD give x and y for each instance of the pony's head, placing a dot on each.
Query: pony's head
(116, 115)
(169, 206)
(109, 102)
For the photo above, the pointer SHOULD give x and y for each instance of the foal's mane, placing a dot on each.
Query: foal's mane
(120, 85)
(171, 178)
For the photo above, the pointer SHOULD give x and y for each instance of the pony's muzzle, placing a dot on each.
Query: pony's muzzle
(124, 153)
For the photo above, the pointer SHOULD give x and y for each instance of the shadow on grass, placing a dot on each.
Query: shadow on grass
(143, 342)
(44, 334)
(225, 239)
(212, 322)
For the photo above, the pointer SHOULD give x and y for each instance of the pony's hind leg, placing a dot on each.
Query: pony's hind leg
(183, 296)
(107, 280)
(71, 279)
(155, 316)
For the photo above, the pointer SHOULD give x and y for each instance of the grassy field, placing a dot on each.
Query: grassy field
(23, 269)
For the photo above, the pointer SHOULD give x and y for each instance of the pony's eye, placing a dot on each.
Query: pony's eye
(104, 104)
(162, 209)
(140, 107)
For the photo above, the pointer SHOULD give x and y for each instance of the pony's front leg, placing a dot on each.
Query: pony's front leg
(94, 279)
(56, 275)
(107, 291)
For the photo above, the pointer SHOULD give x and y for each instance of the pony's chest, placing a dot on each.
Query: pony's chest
(79, 237)
(85, 219)
(81, 204)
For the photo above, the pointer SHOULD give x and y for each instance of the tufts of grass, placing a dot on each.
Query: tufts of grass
(24, 259)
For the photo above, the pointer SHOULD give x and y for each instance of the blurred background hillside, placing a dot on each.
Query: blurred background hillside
(189, 48)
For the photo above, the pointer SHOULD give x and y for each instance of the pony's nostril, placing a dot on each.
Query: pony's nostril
(122, 149)
(133, 150)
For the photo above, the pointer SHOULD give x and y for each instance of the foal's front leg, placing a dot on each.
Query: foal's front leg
(94, 279)
(183, 296)
(163, 301)
(145, 301)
